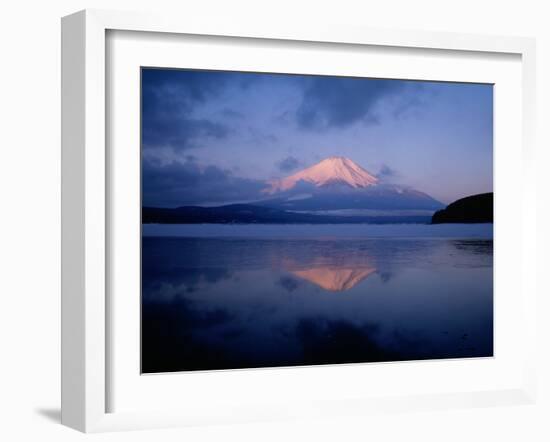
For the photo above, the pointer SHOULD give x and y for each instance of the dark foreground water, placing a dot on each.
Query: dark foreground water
(220, 303)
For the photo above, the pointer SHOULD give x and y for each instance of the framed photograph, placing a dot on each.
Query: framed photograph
(262, 222)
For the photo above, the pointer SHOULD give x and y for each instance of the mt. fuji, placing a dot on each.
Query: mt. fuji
(338, 185)
(330, 171)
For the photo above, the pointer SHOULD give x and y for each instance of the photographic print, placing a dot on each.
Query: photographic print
(294, 220)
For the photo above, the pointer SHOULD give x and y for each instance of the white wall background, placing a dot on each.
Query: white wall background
(30, 219)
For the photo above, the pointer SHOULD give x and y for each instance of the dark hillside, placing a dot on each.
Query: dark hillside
(472, 209)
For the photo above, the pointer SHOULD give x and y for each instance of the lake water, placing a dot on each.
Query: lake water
(230, 296)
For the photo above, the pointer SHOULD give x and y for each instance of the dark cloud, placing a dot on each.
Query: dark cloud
(405, 107)
(169, 97)
(289, 164)
(387, 172)
(178, 184)
(180, 132)
(340, 102)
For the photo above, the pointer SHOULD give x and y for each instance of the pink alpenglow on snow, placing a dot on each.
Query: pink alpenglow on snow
(332, 170)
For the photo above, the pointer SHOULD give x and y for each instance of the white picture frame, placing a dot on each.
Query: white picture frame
(86, 206)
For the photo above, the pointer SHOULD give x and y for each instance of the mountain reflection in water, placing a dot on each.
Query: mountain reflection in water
(239, 303)
(334, 279)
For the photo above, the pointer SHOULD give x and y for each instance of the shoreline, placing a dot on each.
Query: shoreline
(321, 231)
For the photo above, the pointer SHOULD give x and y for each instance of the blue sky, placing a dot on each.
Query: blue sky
(216, 137)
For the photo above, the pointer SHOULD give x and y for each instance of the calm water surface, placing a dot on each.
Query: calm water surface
(262, 300)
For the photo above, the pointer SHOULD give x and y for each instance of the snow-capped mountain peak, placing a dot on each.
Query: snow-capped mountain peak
(332, 170)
